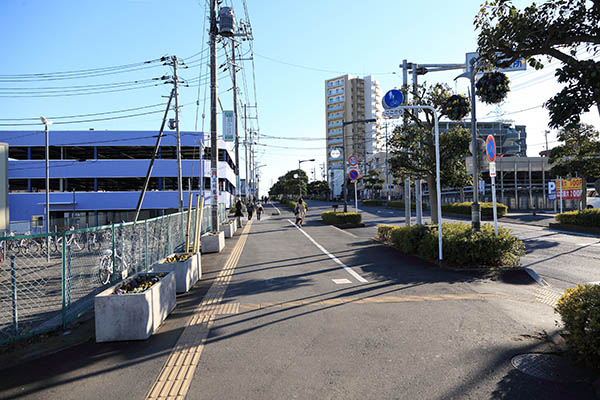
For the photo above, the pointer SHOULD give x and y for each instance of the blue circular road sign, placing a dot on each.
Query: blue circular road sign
(353, 174)
(392, 99)
(490, 148)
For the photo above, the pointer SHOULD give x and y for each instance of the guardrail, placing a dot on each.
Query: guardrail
(41, 290)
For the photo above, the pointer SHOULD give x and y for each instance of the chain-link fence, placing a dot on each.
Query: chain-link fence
(48, 280)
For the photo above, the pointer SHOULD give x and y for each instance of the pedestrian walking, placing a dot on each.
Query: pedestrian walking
(250, 209)
(300, 212)
(259, 211)
(238, 212)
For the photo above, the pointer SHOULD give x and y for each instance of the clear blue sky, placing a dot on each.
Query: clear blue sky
(322, 39)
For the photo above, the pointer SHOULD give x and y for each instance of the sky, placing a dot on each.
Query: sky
(297, 45)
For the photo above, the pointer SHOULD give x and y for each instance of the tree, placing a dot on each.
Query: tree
(556, 29)
(373, 182)
(290, 186)
(579, 153)
(413, 146)
(318, 189)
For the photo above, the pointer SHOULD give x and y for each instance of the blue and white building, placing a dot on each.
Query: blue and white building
(96, 176)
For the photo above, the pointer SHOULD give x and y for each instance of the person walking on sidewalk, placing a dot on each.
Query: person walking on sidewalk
(259, 211)
(250, 209)
(300, 212)
(238, 212)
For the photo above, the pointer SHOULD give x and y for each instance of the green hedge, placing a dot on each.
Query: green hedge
(462, 247)
(340, 218)
(401, 204)
(579, 309)
(487, 209)
(589, 217)
(372, 202)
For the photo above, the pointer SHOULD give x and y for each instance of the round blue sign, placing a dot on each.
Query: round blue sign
(392, 99)
(491, 148)
(353, 174)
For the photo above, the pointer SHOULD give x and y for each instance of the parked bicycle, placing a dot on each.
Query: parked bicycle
(106, 267)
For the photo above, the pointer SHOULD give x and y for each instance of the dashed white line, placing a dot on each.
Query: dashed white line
(341, 281)
(334, 258)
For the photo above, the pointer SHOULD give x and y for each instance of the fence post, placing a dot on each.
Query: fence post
(64, 279)
(114, 269)
(13, 282)
(146, 240)
(168, 236)
(69, 249)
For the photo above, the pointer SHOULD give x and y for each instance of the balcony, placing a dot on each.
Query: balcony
(333, 140)
(334, 124)
(336, 107)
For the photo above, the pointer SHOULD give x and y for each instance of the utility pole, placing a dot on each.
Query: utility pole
(476, 207)
(179, 178)
(213, 117)
(235, 124)
(246, 151)
(546, 135)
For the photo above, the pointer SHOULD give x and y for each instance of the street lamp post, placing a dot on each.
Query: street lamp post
(299, 180)
(46, 125)
(344, 123)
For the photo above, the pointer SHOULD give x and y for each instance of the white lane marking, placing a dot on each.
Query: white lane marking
(536, 277)
(594, 283)
(343, 231)
(588, 244)
(341, 281)
(334, 258)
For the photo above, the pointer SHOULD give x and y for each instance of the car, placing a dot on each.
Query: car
(593, 199)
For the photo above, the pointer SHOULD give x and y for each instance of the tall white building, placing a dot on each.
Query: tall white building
(348, 99)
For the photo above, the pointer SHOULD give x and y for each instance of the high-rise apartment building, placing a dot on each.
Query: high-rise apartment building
(348, 99)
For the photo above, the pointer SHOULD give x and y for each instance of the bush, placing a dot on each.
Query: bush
(579, 309)
(372, 202)
(589, 217)
(340, 218)
(401, 204)
(462, 247)
(384, 232)
(487, 209)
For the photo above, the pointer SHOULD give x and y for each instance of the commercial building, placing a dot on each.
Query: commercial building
(96, 176)
(510, 139)
(348, 99)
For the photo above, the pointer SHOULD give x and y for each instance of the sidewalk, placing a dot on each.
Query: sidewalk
(317, 313)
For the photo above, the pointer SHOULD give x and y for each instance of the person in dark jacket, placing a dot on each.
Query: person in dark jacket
(250, 209)
(238, 212)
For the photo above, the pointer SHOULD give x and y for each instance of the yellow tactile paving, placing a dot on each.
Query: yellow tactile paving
(175, 378)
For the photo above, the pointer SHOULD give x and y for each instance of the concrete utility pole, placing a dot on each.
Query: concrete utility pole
(46, 126)
(476, 207)
(214, 156)
(246, 151)
(235, 124)
(179, 178)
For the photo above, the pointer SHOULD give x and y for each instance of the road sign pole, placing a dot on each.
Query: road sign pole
(494, 204)
(355, 198)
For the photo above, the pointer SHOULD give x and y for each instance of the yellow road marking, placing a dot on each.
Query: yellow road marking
(175, 378)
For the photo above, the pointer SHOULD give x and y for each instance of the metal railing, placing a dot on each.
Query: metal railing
(49, 280)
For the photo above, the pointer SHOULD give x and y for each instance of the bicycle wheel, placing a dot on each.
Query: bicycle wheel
(94, 244)
(104, 273)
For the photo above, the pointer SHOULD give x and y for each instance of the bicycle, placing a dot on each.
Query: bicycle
(105, 266)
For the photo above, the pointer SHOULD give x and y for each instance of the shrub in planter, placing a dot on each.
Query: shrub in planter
(341, 218)
(384, 232)
(589, 217)
(579, 309)
(456, 107)
(462, 246)
(400, 204)
(492, 87)
(487, 209)
(372, 202)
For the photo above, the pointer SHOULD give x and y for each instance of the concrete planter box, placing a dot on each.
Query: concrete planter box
(228, 229)
(133, 316)
(212, 243)
(187, 272)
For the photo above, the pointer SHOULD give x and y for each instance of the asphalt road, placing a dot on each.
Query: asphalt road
(562, 259)
(320, 313)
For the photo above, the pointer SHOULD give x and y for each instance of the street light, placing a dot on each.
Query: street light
(476, 207)
(299, 179)
(344, 123)
(46, 125)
